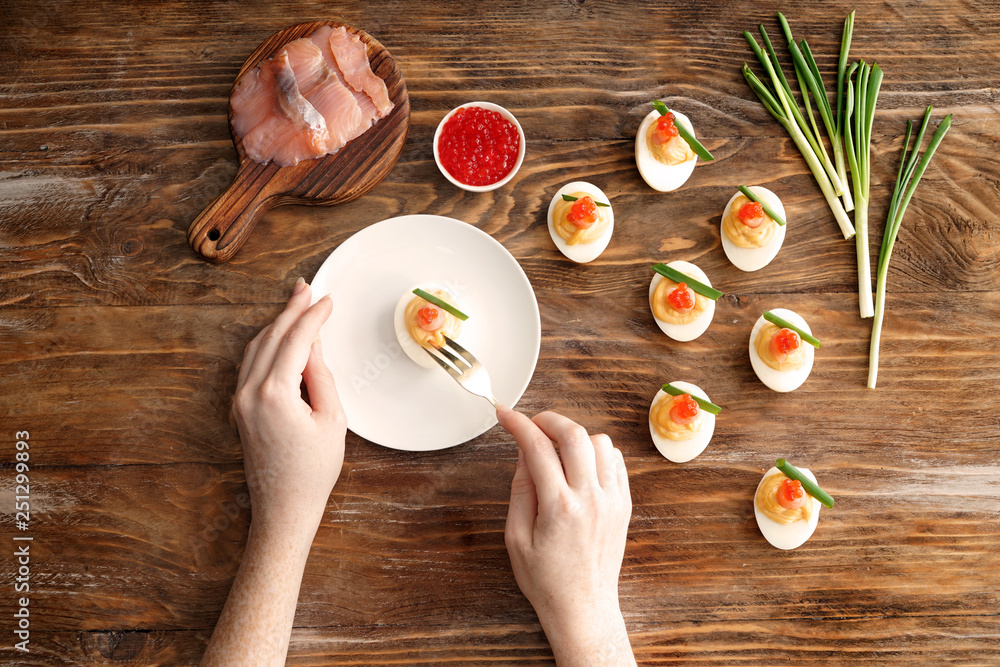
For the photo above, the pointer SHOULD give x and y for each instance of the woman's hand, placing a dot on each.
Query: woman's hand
(566, 527)
(293, 450)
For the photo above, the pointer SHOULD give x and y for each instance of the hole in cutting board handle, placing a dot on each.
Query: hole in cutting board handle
(214, 235)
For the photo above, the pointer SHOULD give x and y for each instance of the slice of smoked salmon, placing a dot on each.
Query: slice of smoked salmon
(292, 129)
(323, 89)
(321, 38)
(352, 59)
(308, 101)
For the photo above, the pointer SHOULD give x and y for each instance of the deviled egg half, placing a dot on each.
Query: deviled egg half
(750, 237)
(679, 311)
(679, 426)
(419, 323)
(664, 158)
(580, 221)
(779, 355)
(786, 514)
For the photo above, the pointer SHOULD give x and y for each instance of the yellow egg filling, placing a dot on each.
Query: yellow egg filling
(766, 501)
(743, 235)
(572, 234)
(794, 360)
(452, 326)
(665, 312)
(673, 152)
(665, 427)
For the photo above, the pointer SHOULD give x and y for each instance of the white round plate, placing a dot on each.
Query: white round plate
(389, 399)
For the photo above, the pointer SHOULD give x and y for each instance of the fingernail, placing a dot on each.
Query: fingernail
(300, 285)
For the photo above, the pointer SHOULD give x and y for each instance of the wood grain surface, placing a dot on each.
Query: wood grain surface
(119, 346)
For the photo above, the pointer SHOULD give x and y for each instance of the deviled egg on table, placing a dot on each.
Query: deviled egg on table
(681, 421)
(781, 349)
(664, 156)
(580, 221)
(682, 300)
(753, 229)
(424, 316)
(787, 503)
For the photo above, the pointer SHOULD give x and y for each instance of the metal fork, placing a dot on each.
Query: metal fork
(465, 368)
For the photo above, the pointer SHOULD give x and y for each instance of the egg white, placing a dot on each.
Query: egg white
(659, 176)
(691, 330)
(781, 381)
(753, 259)
(681, 451)
(410, 346)
(792, 535)
(582, 252)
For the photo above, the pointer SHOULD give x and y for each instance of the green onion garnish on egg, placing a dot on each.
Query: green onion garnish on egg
(785, 324)
(430, 298)
(686, 135)
(791, 472)
(678, 277)
(572, 198)
(767, 209)
(707, 406)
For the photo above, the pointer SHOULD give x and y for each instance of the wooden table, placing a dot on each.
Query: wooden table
(119, 347)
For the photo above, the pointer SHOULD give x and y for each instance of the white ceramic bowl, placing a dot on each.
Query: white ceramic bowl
(520, 151)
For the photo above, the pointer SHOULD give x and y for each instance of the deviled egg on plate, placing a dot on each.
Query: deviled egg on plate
(580, 221)
(750, 237)
(680, 425)
(664, 158)
(781, 349)
(786, 511)
(680, 307)
(419, 323)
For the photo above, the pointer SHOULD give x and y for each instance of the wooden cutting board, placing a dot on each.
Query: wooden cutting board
(223, 227)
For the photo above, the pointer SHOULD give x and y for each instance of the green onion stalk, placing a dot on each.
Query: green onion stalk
(781, 104)
(811, 82)
(859, 116)
(907, 179)
(845, 47)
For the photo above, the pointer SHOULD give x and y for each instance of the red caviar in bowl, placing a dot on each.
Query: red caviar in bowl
(478, 146)
(685, 410)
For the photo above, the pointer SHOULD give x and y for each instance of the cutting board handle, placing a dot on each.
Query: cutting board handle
(224, 226)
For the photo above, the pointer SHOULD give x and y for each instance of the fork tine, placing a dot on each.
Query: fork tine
(468, 373)
(461, 350)
(444, 364)
(463, 365)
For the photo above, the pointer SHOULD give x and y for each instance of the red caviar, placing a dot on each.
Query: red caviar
(478, 146)
(784, 342)
(583, 213)
(430, 318)
(665, 129)
(791, 495)
(751, 214)
(681, 298)
(685, 410)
